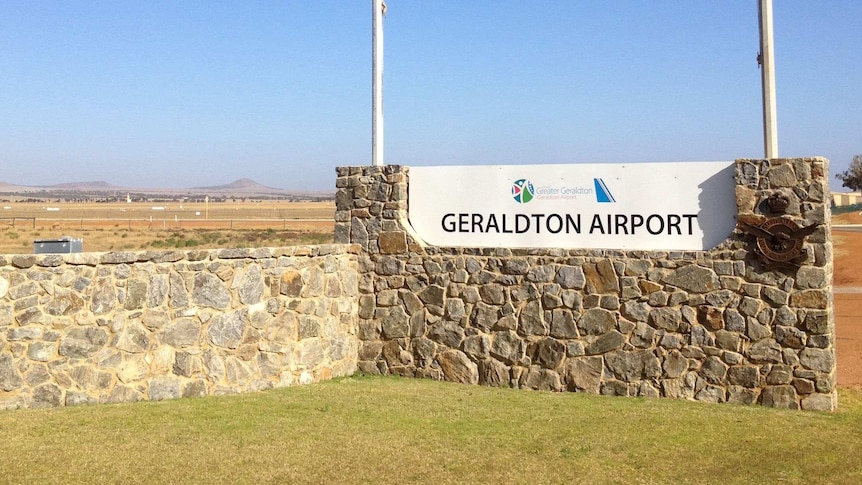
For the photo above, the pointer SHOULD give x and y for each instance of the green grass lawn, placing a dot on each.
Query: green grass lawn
(391, 430)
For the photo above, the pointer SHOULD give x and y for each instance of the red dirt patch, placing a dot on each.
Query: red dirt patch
(848, 329)
(848, 307)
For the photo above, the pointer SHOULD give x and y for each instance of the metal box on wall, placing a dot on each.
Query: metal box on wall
(61, 245)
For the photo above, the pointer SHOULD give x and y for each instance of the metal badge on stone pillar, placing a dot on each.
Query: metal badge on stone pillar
(779, 240)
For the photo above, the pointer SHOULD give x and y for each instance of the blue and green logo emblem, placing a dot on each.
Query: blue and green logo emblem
(523, 191)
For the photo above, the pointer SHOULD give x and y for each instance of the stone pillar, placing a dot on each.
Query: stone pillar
(800, 295)
(371, 208)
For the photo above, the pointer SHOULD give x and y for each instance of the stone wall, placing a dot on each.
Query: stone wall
(114, 327)
(720, 325)
(723, 325)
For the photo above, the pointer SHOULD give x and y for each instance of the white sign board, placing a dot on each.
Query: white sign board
(648, 206)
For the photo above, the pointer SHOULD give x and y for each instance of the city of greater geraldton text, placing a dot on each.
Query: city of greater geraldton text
(654, 224)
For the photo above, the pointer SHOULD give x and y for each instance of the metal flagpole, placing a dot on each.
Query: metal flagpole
(767, 75)
(378, 9)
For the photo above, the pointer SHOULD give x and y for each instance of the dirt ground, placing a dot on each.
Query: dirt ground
(848, 327)
(848, 300)
(121, 226)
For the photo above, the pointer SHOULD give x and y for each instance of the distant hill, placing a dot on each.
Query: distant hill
(86, 186)
(99, 186)
(241, 185)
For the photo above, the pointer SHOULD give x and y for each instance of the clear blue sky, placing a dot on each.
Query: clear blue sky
(179, 94)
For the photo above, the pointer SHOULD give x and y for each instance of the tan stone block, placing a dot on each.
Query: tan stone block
(601, 277)
(751, 219)
(746, 199)
(818, 299)
(710, 317)
(133, 368)
(161, 360)
(648, 287)
(392, 242)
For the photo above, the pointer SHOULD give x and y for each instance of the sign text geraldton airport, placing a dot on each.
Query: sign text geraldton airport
(618, 224)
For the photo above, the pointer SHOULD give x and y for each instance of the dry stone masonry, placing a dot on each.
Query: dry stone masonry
(722, 325)
(126, 326)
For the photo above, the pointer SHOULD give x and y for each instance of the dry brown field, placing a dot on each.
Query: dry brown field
(118, 226)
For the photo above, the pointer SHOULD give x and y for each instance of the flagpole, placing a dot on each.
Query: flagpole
(767, 74)
(377, 83)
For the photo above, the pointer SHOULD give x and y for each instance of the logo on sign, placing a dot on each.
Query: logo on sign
(523, 191)
(603, 194)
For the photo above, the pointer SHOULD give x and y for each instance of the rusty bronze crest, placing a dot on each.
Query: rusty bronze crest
(778, 240)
